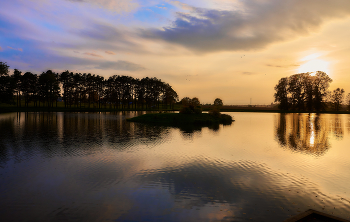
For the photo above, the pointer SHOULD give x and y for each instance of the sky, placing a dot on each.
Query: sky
(236, 50)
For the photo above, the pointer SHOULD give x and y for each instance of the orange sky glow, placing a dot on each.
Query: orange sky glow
(236, 50)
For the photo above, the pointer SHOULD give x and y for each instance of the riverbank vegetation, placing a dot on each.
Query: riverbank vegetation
(82, 91)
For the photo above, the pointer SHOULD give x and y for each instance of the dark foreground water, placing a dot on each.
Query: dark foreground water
(98, 167)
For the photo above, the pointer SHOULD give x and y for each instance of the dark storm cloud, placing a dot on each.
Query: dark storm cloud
(120, 65)
(257, 24)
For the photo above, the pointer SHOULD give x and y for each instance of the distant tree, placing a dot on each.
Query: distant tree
(6, 84)
(169, 96)
(17, 76)
(4, 69)
(191, 105)
(337, 98)
(185, 101)
(348, 101)
(48, 86)
(303, 91)
(320, 85)
(309, 92)
(29, 87)
(281, 95)
(82, 89)
(195, 101)
(218, 103)
(296, 88)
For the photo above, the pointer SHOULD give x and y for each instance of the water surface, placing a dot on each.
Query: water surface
(98, 167)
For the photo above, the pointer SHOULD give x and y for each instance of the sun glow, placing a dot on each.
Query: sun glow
(314, 65)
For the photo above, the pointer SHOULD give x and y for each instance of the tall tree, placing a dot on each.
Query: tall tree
(48, 87)
(4, 69)
(17, 76)
(297, 90)
(6, 84)
(303, 91)
(308, 92)
(321, 84)
(29, 87)
(337, 98)
(348, 101)
(281, 95)
(218, 103)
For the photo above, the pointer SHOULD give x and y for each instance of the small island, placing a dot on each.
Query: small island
(181, 119)
(190, 114)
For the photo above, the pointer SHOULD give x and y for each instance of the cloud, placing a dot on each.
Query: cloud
(106, 33)
(282, 66)
(254, 26)
(110, 52)
(182, 5)
(76, 52)
(120, 65)
(247, 73)
(92, 54)
(118, 6)
(0, 48)
(19, 49)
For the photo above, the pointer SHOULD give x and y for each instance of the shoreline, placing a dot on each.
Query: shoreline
(62, 109)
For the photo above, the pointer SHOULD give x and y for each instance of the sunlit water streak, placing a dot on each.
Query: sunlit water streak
(97, 166)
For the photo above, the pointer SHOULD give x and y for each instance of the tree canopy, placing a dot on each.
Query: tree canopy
(306, 92)
(191, 105)
(218, 102)
(77, 89)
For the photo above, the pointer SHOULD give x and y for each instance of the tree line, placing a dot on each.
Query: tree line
(306, 92)
(81, 90)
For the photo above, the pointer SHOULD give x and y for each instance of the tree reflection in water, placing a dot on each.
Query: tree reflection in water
(80, 133)
(308, 133)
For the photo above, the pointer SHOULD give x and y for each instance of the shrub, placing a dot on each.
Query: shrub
(214, 112)
(198, 110)
(186, 110)
(190, 106)
(226, 119)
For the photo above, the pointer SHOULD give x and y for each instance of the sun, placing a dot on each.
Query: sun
(312, 64)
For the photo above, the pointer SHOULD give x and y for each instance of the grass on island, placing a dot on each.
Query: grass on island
(181, 119)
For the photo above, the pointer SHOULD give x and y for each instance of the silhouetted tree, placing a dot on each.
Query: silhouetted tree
(48, 87)
(348, 101)
(309, 92)
(169, 95)
(195, 101)
(82, 89)
(297, 90)
(17, 76)
(191, 105)
(218, 103)
(6, 84)
(337, 98)
(281, 95)
(321, 84)
(4, 69)
(303, 91)
(29, 87)
(66, 79)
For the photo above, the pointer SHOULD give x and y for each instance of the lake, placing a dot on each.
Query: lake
(98, 167)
